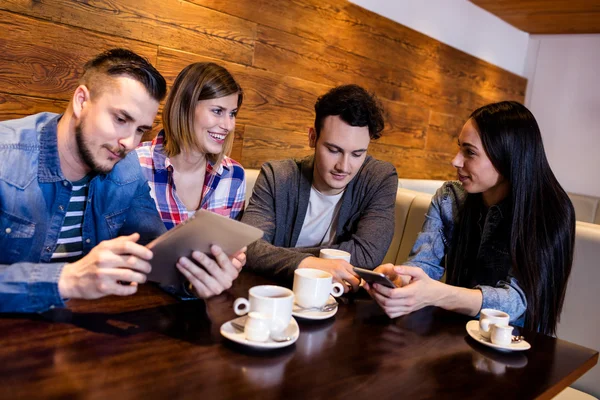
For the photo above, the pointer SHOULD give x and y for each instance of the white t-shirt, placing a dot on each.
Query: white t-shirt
(320, 223)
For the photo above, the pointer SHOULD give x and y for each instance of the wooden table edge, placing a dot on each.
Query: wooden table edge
(569, 379)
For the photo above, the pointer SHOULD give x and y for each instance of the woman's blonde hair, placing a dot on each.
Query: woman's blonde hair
(196, 82)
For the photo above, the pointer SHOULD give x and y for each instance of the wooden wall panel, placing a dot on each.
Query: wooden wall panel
(411, 163)
(45, 59)
(442, 133)
(16, 106)
(284, 54)
(264, 144)
(172, 23)
(270, 100)
(238, 143)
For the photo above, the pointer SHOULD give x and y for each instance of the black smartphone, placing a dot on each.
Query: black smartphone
(372, 277)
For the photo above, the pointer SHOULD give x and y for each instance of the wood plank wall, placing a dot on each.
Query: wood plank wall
(285, 53)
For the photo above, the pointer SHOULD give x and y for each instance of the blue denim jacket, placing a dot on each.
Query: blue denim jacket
(432, 243)
(34, 196)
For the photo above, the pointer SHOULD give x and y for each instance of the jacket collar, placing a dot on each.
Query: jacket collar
(49, 162)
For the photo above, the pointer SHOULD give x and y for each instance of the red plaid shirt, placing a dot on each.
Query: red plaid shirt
(223, 192)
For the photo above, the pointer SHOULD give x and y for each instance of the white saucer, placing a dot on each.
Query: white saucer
(473, 331)
(235, 335)
(298, 312)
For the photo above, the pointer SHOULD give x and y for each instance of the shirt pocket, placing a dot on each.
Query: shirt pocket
(115, 221)
(16, 237)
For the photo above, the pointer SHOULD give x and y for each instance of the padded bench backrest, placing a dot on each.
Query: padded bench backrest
(586, 207)
(404, 199)
(414, 223)
(580, 320)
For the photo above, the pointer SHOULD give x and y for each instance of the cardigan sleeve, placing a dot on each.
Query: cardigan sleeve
(262, 255)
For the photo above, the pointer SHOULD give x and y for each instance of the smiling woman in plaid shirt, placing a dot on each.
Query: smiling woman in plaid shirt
(186, 164)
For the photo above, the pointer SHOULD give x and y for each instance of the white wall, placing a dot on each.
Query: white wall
(563, 93)
(460, 24)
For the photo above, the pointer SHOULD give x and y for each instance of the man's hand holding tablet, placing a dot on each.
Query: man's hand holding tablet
(206, 252)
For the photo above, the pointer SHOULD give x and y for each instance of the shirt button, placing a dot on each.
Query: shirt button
(87, 240)
(8, 230)
(48, 249)
(65, 183)
(61, 208)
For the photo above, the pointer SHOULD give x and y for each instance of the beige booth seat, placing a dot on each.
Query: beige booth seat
(586, 208)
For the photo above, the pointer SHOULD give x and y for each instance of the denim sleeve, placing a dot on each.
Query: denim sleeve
(429, 248)
(28, 287)
(506, 296)
(143, 217)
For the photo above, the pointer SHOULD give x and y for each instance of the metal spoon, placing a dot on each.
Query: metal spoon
(326, 308)
(517, 339)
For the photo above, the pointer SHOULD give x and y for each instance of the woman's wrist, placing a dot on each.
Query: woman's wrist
(458, 299)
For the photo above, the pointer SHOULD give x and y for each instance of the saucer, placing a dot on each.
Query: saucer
(473, 331)
(229, 332)
(298, 312)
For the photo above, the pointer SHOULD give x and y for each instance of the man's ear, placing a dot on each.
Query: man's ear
(81, 98)
(312, 138)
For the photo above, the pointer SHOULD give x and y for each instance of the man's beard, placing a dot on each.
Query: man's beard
(86, 154)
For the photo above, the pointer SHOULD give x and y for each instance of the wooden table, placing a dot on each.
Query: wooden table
(152, 346)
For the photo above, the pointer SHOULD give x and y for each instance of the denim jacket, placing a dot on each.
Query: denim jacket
(34, 196)
(433, 243)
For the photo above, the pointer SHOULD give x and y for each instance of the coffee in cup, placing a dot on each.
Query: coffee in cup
(312, 287)
(488, 317)
(274, 302)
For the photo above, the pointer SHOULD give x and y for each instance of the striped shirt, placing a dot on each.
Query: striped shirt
(224, 190)
(69, 246)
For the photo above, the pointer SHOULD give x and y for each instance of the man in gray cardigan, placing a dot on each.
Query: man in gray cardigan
(338, 198)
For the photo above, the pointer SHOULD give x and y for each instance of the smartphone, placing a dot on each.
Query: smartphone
(372, 277)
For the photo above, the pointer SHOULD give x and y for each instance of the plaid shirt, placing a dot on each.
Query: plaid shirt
(223, 193)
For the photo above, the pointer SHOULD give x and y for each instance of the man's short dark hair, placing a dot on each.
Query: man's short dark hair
(354, 105)
(123, 62)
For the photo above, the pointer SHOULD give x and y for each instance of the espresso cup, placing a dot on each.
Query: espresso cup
(256, 328)
(312, 287)
(334, 254)
(274, 302)
(501, 334)
(488, 317)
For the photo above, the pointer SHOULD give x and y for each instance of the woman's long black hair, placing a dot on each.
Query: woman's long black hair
(542, 232)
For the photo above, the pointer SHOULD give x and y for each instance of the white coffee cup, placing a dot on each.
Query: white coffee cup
(501, 334)
(312, 287)
(488, 317)
(335, 254)
(274, 302)
(256, 328)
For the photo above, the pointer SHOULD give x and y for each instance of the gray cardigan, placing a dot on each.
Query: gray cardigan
(280, 200)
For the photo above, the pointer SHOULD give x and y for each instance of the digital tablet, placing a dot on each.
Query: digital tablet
(199, 232)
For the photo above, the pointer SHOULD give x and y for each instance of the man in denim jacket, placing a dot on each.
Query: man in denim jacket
(75, 208)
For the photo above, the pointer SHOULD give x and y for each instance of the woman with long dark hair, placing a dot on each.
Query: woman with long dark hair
(506, 230)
